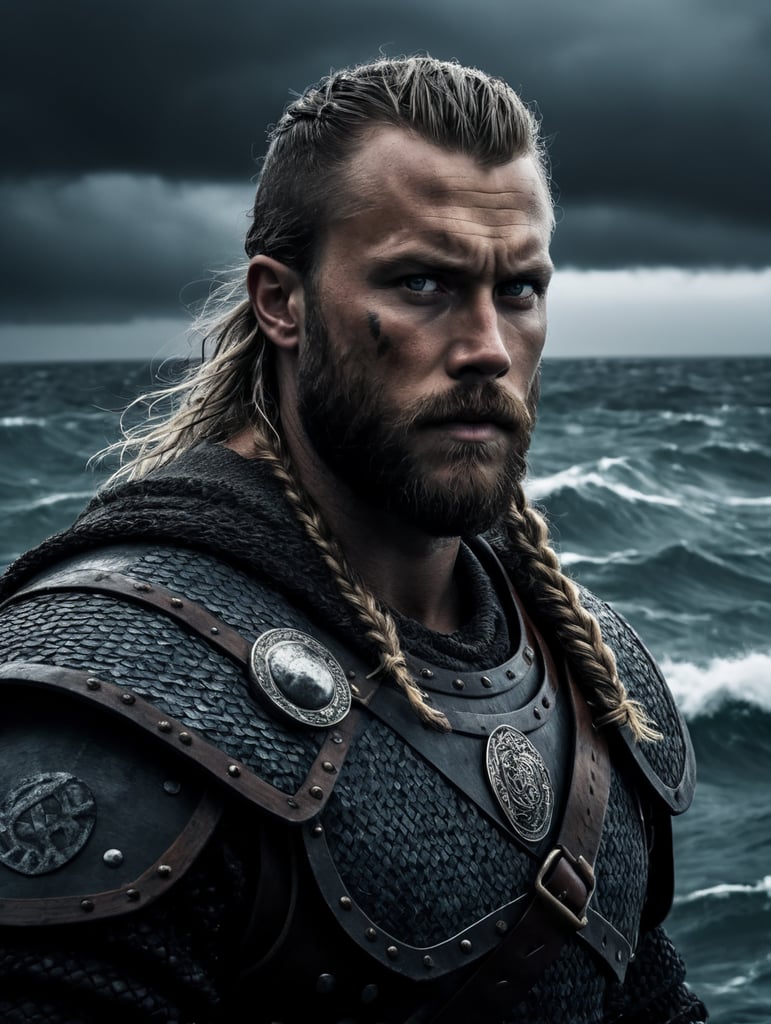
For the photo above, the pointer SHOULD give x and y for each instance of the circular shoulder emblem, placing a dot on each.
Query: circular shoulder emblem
(521, 782)
(44, 821)
(297, 676)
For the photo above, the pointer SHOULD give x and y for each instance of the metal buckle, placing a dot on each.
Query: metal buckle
(585, 872)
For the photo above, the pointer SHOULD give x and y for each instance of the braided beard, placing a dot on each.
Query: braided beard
(368, 442)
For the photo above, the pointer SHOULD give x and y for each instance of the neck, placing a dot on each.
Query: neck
(406, 569)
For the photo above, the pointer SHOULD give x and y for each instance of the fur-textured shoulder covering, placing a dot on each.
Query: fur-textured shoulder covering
(667, 764)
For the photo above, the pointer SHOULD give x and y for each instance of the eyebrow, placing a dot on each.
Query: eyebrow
(442, 260)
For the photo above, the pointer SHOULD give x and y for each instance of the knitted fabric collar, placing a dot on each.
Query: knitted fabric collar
(214, 500)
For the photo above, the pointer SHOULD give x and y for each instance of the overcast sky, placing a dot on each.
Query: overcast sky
(130, 134)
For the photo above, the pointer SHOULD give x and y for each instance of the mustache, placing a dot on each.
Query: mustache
(486, 403)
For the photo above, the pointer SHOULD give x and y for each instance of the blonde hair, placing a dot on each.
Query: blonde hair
(461, 109)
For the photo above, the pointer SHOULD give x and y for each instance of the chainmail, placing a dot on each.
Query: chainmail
(395, 831)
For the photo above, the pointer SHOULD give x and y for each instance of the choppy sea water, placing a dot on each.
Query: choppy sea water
(656, 477)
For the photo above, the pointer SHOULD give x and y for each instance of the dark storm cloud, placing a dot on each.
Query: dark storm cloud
(657, 114)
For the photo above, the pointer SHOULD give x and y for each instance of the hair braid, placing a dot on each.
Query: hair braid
(380, 626)
(556, 600)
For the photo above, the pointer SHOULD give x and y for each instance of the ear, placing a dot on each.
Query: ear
(278, 300)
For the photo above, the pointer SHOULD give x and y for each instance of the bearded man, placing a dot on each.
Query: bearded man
(303, 720)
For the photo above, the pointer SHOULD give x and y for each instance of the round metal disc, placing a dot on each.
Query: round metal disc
(299, 677)
(521, 782)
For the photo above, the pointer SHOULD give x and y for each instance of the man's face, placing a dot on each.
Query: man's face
(425, 322)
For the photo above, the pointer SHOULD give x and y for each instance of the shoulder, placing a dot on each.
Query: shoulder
(96, 821)
(668, 764)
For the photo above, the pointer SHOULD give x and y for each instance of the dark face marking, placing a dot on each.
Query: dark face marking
(384, 342)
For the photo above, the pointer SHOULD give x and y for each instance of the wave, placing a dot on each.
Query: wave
(23, 421)
(724, 890)
(578, 478)
(46, 500)
(704, 689)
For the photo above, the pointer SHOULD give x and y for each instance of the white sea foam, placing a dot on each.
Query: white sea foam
(48, 499)
(703, 688)
(574, 557)
(726, 889)
(23, 421)
(578, 478)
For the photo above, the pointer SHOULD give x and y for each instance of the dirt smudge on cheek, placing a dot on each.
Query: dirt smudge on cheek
(382, 340)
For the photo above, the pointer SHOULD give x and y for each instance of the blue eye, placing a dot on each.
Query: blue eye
(421, 284)
(517, 289)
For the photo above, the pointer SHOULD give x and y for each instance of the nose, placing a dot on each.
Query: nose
(478, 347)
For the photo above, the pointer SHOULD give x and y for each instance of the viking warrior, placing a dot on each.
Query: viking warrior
(302, 719)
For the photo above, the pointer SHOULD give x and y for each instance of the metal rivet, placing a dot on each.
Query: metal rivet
(392, 952)
(325, 983)
(465, 946)
(536, 713)
(132, 895)
(370, 934)
(369, 993)
(176, 602)
(604, 941)
(317, 830)
(164, 726)
(185, 739)
(594, 756)
(619, 955)
(143, 587)
(316, 792)
(172, 787)
(234, 771)
(214, 630)
(337, 738)
(93, 684)
(428, 961)
(458, 684)
(112, 858)
(164, 870)
(291, 802)
(128, 698)
(528, 654)
(355, 689)
(346, 902)
(87, 905)
(502, 985)
(546, 702)
(427, 673)
(486, 681)
(501, 927)
(510, 673)
(328, 767)
(351, 674)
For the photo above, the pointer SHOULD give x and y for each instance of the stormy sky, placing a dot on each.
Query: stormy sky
(131, 134)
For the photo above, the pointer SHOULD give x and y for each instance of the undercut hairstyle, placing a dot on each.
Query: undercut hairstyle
(300, 191)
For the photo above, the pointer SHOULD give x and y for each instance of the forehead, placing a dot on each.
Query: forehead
(398, 187)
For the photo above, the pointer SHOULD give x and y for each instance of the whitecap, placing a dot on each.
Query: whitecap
(704, 688)
(23, 421)
(577, 478)
(48, 499)
(726, 889)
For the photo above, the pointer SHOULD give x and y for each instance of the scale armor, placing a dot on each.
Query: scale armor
(207, 935)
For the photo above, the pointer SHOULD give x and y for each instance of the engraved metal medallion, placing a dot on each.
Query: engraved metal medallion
(44, 821)
(300, 678)
(521, 782)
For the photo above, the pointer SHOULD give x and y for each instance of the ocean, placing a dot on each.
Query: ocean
(656, 478)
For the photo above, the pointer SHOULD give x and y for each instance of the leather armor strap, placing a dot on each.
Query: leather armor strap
(563, 888)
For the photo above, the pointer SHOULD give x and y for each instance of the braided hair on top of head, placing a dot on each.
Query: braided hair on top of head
(555, 602)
